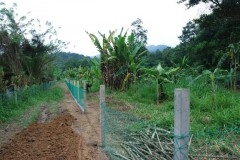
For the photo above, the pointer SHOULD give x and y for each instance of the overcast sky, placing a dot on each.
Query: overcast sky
(164, 19)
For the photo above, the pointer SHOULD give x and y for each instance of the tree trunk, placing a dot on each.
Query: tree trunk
(161, 93)
(135, 83)
(235, 80)
(157, 92)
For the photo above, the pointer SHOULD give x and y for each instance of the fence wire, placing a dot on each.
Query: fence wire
(77, 93)
(125, 137)
(216, 144)
(17, 96)
(115, 129)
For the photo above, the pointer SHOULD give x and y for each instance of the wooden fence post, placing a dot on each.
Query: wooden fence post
(102, 102)
(181, 123)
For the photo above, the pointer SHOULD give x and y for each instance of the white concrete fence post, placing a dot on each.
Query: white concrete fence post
(102, 102)
(74, 88)
(85, 95)
(181, 123)
(78, 89)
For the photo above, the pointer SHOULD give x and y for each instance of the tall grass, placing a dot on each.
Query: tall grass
(225, 112)
(30, 98)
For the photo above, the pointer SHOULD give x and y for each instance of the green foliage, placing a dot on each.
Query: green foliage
(213, 76)
(191, 3)
(1, 79)
(29, 98)
(139, 32)
(27, 52)
(203, 42)
(206, 85)
(121, 58)
(152, 59)
(188, 32)
(234, 52)
(96, 73)
(75, 63)
(90, 74)
(65, 61)
(160, 76)
(143, 106)
(206, 39)
(207, 53)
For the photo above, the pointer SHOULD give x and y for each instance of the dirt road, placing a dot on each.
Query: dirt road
(72, 135)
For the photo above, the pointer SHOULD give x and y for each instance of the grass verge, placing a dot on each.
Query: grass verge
(31, 107)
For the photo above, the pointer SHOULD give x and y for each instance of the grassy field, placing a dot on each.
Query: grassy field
(214, 126)
(204, 113)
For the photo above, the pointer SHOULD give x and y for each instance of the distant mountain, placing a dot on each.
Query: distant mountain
(153, 48)
(64, 60)
(64, 56)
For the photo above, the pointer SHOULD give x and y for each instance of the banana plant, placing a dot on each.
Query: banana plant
(234, 52)
(161, 77)
(106, 50)
(71, 73)
(234, 55)
(2, 86)
(217, 74)
(121, 58)
(95, 69)
(133, 61)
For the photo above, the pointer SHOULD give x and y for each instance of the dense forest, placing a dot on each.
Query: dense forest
(27, 50)
(206, 41)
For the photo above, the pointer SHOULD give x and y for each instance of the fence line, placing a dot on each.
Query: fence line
(21, 94)
(78, 93)
(122, 139)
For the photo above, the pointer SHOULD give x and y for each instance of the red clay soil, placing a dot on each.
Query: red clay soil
(53, 140)
(72, 135)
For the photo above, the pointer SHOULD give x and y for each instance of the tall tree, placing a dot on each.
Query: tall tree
(189, 32)
(191, 3)
(26, 53)
(212, 33)
(139, 32)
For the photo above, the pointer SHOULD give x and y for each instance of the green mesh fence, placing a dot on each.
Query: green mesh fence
(216, 143)
(21, 95)
(125, 137)
(77, 93)
(116, 126)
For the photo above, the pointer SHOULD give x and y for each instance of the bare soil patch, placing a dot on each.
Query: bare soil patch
(53, 140)
(72, 135)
